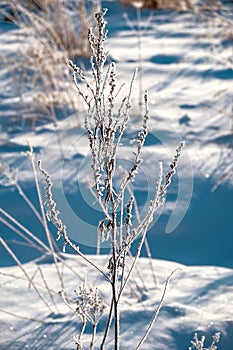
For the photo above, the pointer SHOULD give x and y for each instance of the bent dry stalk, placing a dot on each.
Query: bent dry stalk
(105, 126)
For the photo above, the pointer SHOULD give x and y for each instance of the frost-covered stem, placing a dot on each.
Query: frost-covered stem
(121, 240)
(154, 206)
(137, 214)
(84, 323)
(53, 212)
(28, 240)
(76, 250)
(133, 264)
(114, 282)
(140, 142)
(29, 203)
(216, 338)
(93, 336)
(48, 235)
(24, 317)
(123, 269)
(107, 326)
(77, 72)
(47, 287)
(121, 222)
(128, 225)
(139, 46)
(14, 257)
(30, 234)
(100, 54)
(98, 60)
(150, 260)
(96, 168)
(160, 194)
(116, 309)
(126, 103)
(157, 311)
(138, 274)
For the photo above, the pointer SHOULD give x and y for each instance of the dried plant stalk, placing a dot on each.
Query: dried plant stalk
(105, 125)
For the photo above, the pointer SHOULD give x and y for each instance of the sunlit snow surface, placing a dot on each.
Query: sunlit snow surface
(188, 73)
(198, 299)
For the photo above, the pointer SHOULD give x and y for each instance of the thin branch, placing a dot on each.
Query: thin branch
(26, 279)
(138, 218)
(153, 206)
(156, 313)
(28, 240)
(107, 326)
(25, 273)
(30, 234)
(45, 225)
(93, 336)
(46, 286)
(22, 317)
(53, 212)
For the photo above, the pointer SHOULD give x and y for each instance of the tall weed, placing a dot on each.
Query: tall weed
(106, 120)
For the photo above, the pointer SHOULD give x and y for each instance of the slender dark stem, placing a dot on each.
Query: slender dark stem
(116, 313)
(123, 269)
(107, 326)
(134, 261)
(89, 261)
(93, 336)
(115, 277)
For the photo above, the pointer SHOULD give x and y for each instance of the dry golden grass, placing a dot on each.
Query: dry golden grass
(160, 4)
(50, 32)
(177, 5)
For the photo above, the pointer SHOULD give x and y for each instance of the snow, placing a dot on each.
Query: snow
(198, 298)
(187, 69)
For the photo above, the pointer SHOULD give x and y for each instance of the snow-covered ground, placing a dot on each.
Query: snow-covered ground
(198, 299)
(187, 68)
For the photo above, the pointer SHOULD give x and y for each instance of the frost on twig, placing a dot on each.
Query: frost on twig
(89, 306)
(52, 213)
(104, 123)
(199, 344)
(156, 202)
(8, 176)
